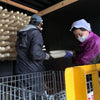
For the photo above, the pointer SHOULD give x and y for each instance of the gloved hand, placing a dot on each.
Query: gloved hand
(68, 54)
(48, 56)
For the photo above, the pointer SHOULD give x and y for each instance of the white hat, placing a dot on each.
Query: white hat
(81, 24)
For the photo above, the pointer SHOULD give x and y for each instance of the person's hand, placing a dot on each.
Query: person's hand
(48, 56)
(69, 54)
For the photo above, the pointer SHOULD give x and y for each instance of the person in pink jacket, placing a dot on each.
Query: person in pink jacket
(89, 43)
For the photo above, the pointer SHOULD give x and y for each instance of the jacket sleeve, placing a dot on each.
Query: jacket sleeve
(35, 50)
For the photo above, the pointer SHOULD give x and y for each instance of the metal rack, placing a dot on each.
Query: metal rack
(47, 85)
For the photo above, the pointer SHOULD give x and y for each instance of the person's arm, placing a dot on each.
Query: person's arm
(36, 52)
(90, 52)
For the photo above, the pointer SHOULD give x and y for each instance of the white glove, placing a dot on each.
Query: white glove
(47, 56)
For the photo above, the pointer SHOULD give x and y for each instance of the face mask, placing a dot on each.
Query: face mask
(83, 38)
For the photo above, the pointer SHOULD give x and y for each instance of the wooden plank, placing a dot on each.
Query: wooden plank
(56, 6)
(19, 6)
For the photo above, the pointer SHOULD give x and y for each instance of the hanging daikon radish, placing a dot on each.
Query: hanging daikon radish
(4, 38)
(5, 15)
(13, 33)
(4, 11)
(16, 23)
(20, 26)
(4, 26)
(10, 55)
(29, 17)
(26, 18)
(1, 30)
(10, 22)
(2, 15)
(20, 15)
(4, 55)
(1, 25)
(25, 15)
(8, 48)
(13, 49)
(23, 21)
(18, 19)
(14, 54)
(3, 43)
(11, 12)
(6, 43)
(11, 28)
(1, 8)
(12, 38)
(2, 48)
(16, 13)
(5, 33)
(4, 21)
(27, 22)
(1, 55)
(12, 17)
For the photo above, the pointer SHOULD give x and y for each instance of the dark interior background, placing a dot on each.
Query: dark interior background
(57, 24)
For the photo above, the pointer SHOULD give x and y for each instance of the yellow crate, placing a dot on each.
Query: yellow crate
(75, 81)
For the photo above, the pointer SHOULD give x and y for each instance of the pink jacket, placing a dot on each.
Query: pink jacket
(89, 49)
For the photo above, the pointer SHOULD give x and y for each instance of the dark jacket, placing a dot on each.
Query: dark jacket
(30, 56)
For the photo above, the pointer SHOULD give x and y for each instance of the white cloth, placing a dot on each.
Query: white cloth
(81, 24)
(59, 53)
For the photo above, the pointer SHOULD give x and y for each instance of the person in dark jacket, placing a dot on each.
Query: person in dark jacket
(30, 55)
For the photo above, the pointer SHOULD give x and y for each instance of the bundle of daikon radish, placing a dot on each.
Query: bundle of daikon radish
(10, 23)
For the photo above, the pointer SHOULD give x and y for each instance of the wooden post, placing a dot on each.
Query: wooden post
(56, 6)
(19, 5)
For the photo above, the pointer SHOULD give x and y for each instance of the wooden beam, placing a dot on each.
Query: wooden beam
(56, 6)
(19, 5)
